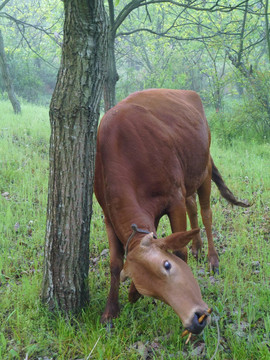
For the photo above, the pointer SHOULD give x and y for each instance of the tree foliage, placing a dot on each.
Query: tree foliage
(220, 49)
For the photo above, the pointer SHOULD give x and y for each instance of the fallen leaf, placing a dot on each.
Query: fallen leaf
(213, 280)
(198, 350)
(255, 264)
(16, 226)
(5, 195)
(104, 252)
(142, 349)
(201, 271)
(155, 345)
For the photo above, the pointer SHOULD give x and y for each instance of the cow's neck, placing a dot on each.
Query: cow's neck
(135, 231)
(130, 212)
(142, 223)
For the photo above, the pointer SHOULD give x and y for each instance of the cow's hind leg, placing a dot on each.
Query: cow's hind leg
(116, 265)
(193, 218)
(204, 198)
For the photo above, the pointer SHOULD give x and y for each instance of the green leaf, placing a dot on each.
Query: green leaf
(13, 353)
(3, 341)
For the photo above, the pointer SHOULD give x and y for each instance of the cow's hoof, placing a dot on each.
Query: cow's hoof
(108, 316)
(214, 263)
(109, 326)
(197, 248)
(214, 269)
(196, 253)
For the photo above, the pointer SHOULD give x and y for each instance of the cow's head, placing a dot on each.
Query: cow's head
(158, 273)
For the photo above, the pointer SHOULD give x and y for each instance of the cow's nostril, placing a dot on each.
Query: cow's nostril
(198, 315)
(196, 327)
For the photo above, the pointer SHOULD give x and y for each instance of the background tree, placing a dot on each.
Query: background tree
(246, 55)
(128, 7)
(33, 33)
(74, 114)
(198, 42)
(7, 78)
(8, 82)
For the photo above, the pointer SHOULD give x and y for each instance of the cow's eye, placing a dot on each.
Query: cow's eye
(167, 265)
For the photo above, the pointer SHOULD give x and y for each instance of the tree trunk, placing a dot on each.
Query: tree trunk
(267, 30)
(74, 114)
(111, 75)
(7, 78)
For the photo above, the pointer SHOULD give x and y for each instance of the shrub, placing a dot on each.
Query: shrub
(241, 119)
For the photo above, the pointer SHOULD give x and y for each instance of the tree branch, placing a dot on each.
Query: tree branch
(137, 3)
(35, 52)
(23, 23)
(4, 4)
(241, 45)
(164, 34)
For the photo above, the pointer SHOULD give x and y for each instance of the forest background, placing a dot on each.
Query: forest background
(220, 49)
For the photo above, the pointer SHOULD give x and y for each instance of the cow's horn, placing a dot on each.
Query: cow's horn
(147, 239)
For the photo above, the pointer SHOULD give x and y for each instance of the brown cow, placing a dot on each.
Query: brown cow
(152, 157)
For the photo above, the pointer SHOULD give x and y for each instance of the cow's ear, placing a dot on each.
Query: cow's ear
(124, 274)
(176, 241)
(147, 239)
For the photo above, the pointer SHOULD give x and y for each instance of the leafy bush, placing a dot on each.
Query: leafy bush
(244, 119)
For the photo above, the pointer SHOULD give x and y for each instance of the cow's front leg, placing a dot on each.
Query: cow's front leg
(133, 294)
(116, 264)
(178, 221)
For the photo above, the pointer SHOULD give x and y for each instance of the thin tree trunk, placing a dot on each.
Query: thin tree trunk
(267, 30)
(74, 113)
(7, 78)
(111, 75)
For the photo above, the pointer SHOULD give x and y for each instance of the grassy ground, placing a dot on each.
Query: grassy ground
(149, 329)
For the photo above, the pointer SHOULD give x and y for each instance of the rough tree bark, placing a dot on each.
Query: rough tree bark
(7, 78)
(74, 113)
(111, 75)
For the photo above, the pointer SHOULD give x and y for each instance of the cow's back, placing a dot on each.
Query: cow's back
(153, 142)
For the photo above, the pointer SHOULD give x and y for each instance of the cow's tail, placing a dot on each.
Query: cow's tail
(224, 190)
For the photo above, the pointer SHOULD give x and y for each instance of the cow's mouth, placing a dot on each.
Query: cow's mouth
(199, 322)
(197, 326)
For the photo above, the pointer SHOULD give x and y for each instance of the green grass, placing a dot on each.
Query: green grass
(239, 295)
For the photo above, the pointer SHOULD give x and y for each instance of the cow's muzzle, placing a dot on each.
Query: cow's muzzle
(196, 327)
